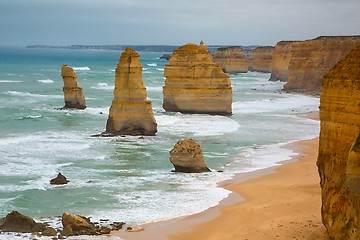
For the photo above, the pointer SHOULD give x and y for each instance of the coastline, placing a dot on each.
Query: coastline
(281, 202)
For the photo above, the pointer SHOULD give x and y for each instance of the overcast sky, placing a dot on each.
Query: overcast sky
(174, 22)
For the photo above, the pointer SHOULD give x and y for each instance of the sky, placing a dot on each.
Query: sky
(174, 22)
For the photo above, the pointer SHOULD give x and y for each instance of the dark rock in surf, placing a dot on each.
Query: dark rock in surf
(17, 222)
(59, 180)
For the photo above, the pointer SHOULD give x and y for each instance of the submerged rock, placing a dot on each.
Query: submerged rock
(73, 94)
(187, 156)
(59, 180)
(17, 222)
(339, 148)
(130, 112)
(195, 83)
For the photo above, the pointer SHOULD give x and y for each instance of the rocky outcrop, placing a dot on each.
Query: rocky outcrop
(195, 84)
(339, 148)
(260, 59)
(312, 59)
(77, 225)
(73, 94)
(231, 59)
(59, 180)
(130, 112)
(166, 56)
(17, 222)
(187, 156)
(281, 60)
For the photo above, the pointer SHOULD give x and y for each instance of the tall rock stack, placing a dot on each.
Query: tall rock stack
(231, 59)
(260, 59)
(195, 84)
(339, 148)
(312, 59)
(73, 94)
(130, 112)
(281, 60)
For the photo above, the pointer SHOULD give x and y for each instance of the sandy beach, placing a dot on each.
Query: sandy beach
(278, 203)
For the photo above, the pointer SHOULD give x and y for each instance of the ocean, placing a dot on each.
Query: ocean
(128, 179)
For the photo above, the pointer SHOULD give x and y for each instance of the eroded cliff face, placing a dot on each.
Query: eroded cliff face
(260, 59)
(281, 61)
(312, 59)
(73, 94)
(130, 112)
(231, 59)
(339, 148)
(195, 84)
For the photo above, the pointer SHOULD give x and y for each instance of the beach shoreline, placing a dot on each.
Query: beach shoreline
(280, 202)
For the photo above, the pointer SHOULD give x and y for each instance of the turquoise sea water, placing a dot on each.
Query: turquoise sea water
(127, 178)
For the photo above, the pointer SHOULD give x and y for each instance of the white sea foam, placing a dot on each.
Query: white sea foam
(103, 86)
(152, 64)
(81, 68)
(10, 81)
(197, 124)
(160, 69)
(30, 117)
(46, 81)
(27, 94)
(154, 89)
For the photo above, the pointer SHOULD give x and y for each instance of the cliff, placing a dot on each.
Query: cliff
(260, 59)
(281, 61)
(195, 84)
(339, 148)
(312, 59)
(130, 112)
(73, 94)
(231, 59)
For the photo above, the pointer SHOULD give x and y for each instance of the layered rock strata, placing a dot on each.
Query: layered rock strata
(281, 60)
(195, 84)
(260, 59)
(339, 148)
(73, 94)
(231, 59)
(187, 156)
(312, 59)
(130, 112)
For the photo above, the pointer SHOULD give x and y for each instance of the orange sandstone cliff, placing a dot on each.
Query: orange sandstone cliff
(281, 61)
(130, 112)
(312, 59)
(73, 94)
(260, 59)
(195, 84)
(231, 59)
(339, 148)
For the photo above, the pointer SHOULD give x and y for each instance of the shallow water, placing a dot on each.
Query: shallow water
(127, 178)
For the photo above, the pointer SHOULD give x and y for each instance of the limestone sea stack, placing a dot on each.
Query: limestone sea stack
(312, 59)
(73, 94)
(187, 156)
(231, 59)
(260, 59)
(339, 148)
(130, 112)
(195, 83)
(281, 60)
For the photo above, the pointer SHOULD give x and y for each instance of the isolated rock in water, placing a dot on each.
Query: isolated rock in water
(77, 225)
(231, 59)
(260, 59)
(60, 179)
(195, 83)
(16, 222)
(166, 56)
(130, 112)
(73, 94)
(339, 148)
(281, 60)
(312, 59)
(187, 156)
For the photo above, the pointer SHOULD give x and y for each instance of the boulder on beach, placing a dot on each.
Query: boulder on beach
(187, 156)
(77, 225)
(59, 180)
(17, 222)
